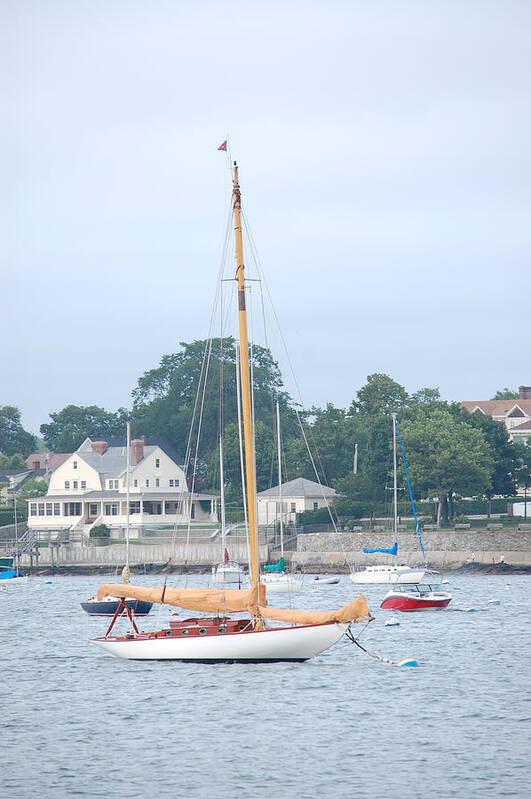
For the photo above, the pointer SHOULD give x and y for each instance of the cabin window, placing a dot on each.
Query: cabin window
(186, 632)
(67, 485)
(157, 463)
(202, 631)
(221, 630)
(33, 508)
(75, 464)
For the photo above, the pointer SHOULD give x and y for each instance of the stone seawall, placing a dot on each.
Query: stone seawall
(444, 549)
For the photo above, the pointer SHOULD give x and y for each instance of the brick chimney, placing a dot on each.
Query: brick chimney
(100, 447)
(137, 450)
(525, 392)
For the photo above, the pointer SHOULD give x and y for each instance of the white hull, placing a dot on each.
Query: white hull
(14, 581)
(387, 575)
(221, 575)
(325, 581)
(281, 583)
(274, 644)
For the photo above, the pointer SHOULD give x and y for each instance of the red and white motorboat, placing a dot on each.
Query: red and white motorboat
(420, 596)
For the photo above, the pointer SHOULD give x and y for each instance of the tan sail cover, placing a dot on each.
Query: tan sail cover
(357, 610)
(205, 600)
(251, 600)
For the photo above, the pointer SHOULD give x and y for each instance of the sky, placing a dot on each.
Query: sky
(385, 171)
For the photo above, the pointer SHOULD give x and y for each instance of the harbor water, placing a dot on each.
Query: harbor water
(79, 723)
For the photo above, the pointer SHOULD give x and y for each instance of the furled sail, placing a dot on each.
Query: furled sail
(391, 551)
(357, 610)
(205, 600)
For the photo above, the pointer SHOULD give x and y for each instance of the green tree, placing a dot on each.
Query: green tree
(380, 395)
(13, 462)
(502, 451)
(69, 427)
(30, 490)
(446, 456)
(13, 438)
(523, 471)
(166, 397)
(506, 393)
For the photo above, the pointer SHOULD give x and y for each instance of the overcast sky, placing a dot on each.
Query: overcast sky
(384, 154)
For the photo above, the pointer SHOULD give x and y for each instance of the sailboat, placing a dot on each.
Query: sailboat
(276, 579)
(108, 605)
(218, 637)
(8, 574)
(228, 571)
(395, 572)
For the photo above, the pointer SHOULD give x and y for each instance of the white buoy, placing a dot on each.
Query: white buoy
(407, 662)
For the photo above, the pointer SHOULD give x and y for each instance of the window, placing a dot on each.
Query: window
(67, 485)
(157, 482)
(56, 508)
(293, 507)
(41, 508)
(75, 464)
(135, 483)
(147, 483)
(49, 509)
(33, 508)
(93, 509)
(315, 505)
(83, 484)
(176, 483)
(134, 507)
(111, 509)
(171, 483)
(75, 484)
(157, 463)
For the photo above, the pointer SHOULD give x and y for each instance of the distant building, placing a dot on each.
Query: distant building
(46, 460)
(514, 413)
(90, 488)
(297, 496)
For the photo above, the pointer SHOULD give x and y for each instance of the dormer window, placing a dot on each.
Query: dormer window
(157, 463)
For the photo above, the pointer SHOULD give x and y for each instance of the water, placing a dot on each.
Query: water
(79, 723)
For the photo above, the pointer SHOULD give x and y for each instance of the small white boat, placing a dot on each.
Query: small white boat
(325, 581)
(282, 583)
(228, 572)
(384, 574)
(392, 621)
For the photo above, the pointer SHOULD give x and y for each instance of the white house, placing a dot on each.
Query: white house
(297, 496)
(90, 488)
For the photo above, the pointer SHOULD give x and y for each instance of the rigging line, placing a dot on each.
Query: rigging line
(410, 493)
(203, 377)
(261, 274)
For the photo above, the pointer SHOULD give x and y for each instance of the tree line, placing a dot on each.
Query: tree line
(449, 452)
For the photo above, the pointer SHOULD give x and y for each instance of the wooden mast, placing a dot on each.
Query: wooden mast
(250, 479)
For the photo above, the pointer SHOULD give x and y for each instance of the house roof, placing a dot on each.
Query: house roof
(50, 460)
(155, 495)
(498, 407)
(300, 487)
(113, 462)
